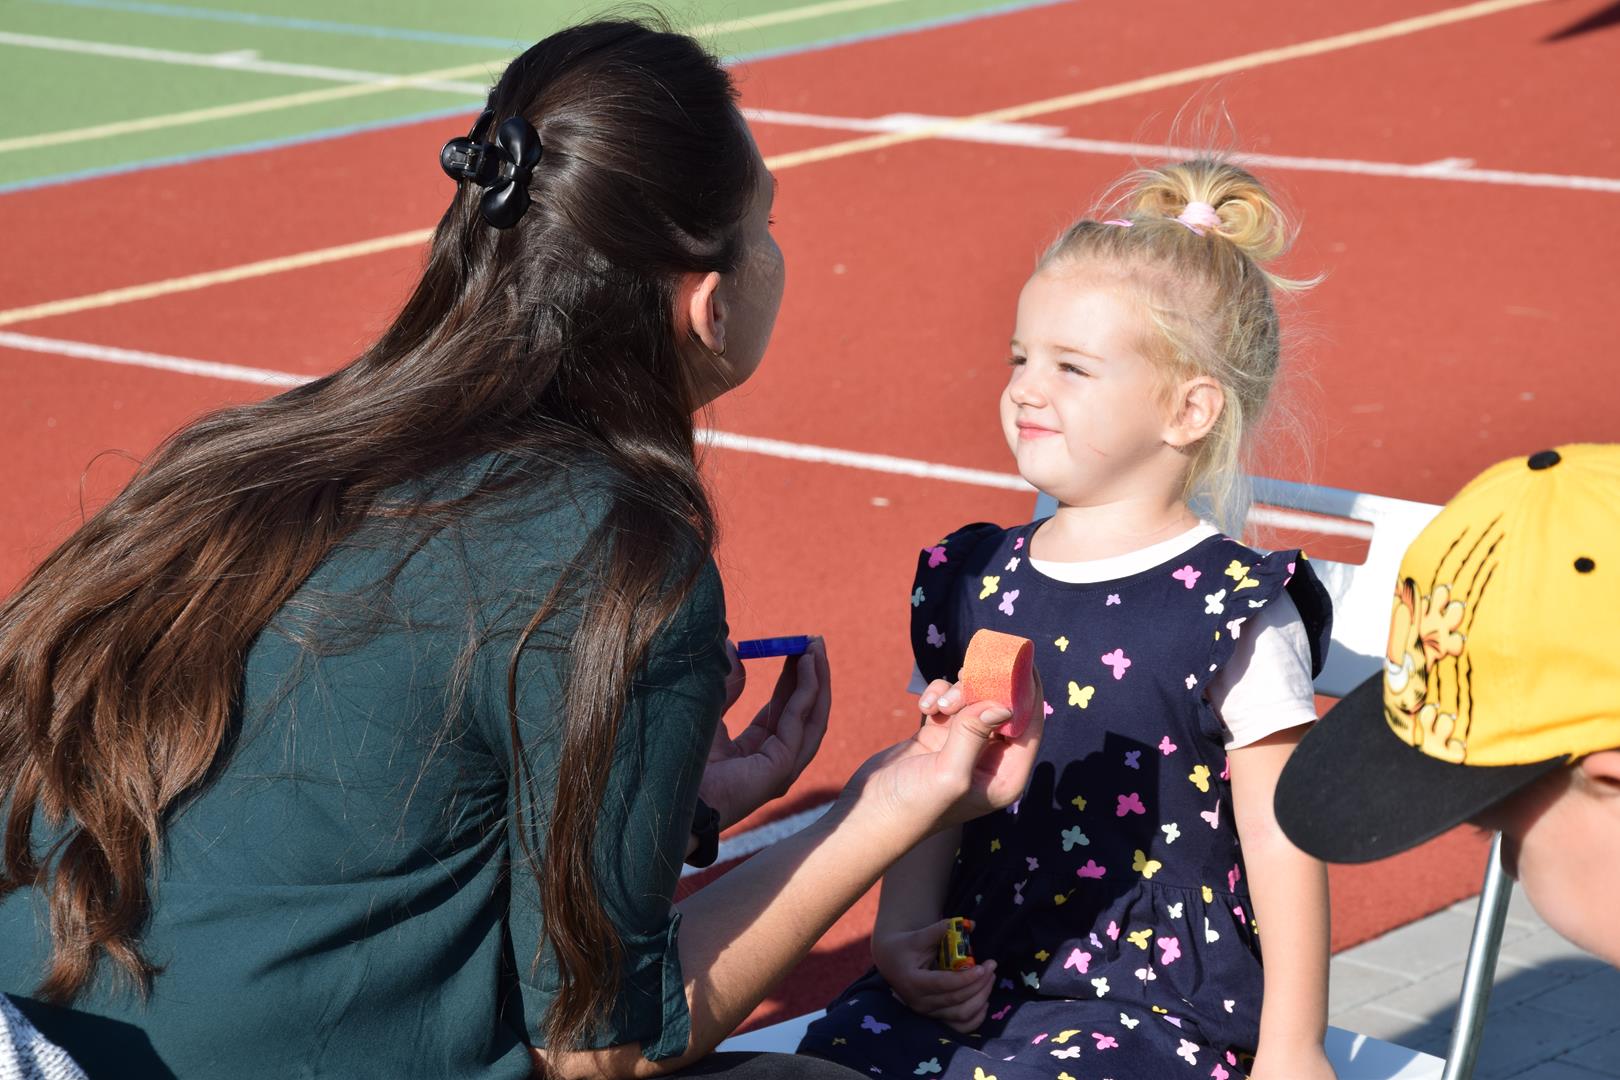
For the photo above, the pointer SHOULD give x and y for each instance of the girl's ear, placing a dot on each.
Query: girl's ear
(1195, 406)
(705, 310)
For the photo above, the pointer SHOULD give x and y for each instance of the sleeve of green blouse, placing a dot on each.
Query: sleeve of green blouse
(642, 833)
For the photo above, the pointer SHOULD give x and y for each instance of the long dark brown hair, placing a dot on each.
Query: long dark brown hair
(122, 654)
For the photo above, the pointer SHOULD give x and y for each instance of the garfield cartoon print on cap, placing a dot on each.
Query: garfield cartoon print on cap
(1503, 663)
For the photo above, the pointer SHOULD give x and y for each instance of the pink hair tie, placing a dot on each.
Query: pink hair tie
(1121, 222)
(1199, 216)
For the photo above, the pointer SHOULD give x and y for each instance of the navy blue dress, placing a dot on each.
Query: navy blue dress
(1112, 895)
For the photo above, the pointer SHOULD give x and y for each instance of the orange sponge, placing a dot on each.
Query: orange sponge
(998, 668)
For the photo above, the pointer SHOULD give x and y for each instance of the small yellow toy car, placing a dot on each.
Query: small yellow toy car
(955, 949)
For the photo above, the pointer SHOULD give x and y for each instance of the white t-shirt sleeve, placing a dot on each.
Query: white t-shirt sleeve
(1266, 687)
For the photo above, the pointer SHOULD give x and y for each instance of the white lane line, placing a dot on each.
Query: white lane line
(1046, 137)
(733, 848)
(725, 440)
(484, 69)
(244, 60)
(789, 15)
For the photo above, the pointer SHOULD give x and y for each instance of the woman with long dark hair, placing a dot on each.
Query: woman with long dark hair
(363, 732)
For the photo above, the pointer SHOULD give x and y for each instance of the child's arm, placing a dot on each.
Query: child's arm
(910, 922)
(1289, 892)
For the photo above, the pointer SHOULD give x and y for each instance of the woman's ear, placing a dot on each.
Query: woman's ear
(705, 310)
(1196, 405)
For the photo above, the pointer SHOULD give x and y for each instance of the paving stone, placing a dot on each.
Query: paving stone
(1594, 991)
(1600, 1055)
(1559, 1070)
(1351, 984)
(1539, 947)
(1428, 945)
(1521, 1036)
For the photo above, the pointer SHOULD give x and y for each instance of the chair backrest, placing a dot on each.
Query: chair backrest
(1361, 591)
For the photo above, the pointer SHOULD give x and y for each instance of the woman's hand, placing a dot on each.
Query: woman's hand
(954, 768)
(762, 762)
(958, 999)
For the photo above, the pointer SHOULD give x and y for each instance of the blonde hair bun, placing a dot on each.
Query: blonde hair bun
(1250, 218)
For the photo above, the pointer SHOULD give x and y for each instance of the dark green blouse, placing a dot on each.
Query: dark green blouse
(349, 897)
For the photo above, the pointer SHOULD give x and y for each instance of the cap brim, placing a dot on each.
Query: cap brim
(1354, 791)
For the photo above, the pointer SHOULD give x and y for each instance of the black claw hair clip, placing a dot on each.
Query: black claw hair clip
(504, 166)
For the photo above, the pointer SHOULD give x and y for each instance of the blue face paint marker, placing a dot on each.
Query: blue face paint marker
(760, 648)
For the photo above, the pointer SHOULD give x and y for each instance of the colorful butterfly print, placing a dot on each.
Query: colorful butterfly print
(936, 556)
(1188, 1050)
(1043, 956)
(1064, 1076)
(1113, 930)
(1139, 938)
(1237, 910)
(936, 638)
(1031, 980)
(1211, 935)
(1118, 661)
(1253, 604)
(1200, 777)
(1213, 604)
(1018, 545)
(1080, 695)
(1046, 708)
(1133, 759)
(1145, 866)
(1166, 747)
(1130, 804)
(1012, 565)
(839, 1040)
(992, 582)
(995, 845)
(1176, 909)
(1170, 948)
(1078, 802)
(1237, 571)
(1218, 1073)
(917, 597)
(1074, 837)
(1192, 681)
(932, 1065)
(1129, 1021)
(1188, 575)
(1005, 1009)
(1226, 769)
(1062, 1037)
(874, 1025)
(1068, 1053)
(1096, 942)
(1246, 583)
(1105, 1042)
(1235, 627)
(1091, 870)
(1062, 898)
(1018, 891)
(1172, 832)
(980, 1074)
(1212, 816)
(1037, 1040)
(1033, 863)
(1233, 876)
(1101, 986)
(1228, 1004)
(1080, 961)
(1007, 598)
(1145, 974)
(1113, 600)
(1062, 644)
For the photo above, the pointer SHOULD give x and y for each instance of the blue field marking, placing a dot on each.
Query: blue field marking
(282, 22)
(416, 118)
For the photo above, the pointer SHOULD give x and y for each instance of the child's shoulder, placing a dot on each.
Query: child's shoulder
(964, 549)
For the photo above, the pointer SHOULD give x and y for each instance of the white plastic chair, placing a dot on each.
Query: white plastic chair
(1361, 607)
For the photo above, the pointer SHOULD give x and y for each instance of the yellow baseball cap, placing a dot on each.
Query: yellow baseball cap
(1503, 663)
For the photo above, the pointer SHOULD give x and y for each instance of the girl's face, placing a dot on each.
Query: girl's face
(1084, 411)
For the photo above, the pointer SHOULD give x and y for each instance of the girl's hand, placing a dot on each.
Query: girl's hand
(958, 999)
(953, 768)
(1307, 1061)
(762, 762)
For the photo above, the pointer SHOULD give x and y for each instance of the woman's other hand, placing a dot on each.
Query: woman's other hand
(954, 767)
(763, 761)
